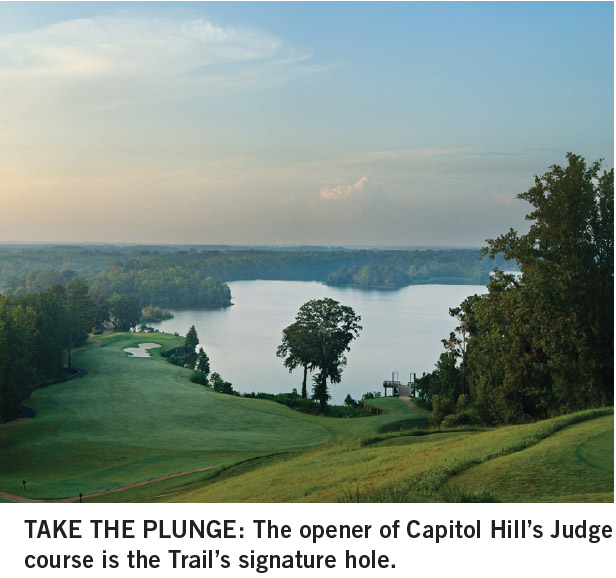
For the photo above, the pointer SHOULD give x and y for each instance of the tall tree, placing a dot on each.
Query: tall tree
(321, 335)
(203, 362)
(297, 350)
(192, 339)
(458, 339)
(82, 312)
(52, 321)
(17, 369)
(558, 318)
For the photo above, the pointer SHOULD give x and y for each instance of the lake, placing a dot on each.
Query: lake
(402, 332)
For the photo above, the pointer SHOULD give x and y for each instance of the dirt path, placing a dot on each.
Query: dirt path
(22, 499)
(408, 402)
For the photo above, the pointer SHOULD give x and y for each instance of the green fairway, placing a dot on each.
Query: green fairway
(135, 419)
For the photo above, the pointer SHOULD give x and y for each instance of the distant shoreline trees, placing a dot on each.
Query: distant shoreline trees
(196, 277)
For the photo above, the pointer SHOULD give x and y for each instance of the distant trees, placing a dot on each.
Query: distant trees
(370, 276)
(319, 339)
(126, 310)
(165, 285)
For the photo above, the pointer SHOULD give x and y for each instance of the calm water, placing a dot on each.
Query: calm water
(402, 331)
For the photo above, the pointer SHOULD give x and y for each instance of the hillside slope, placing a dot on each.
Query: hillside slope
(432, 467)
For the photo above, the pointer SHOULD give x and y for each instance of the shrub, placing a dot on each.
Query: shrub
(467, 417)
(441, 407)
(176, 360)
(200, 377)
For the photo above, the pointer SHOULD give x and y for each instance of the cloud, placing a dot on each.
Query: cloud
(125, 46)
(113, 60)
(362, 189)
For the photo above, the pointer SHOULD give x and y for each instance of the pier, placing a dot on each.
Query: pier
(399, 389)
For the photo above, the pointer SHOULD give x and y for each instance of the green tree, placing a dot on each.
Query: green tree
(203, 362)
(82, 313)
(52, 325)
(324, 330)
(220, 385)
(545, 342)
(126, 310)
(297, 349)
(458, 339)
(202, 368)
(192, 339)
(17, 368)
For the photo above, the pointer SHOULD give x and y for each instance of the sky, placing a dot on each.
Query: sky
(300, 123)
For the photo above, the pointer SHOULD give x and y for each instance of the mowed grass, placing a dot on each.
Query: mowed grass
(135, 419)
(575, 464)
(412, 467)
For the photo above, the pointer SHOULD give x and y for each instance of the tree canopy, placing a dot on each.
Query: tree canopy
(318, 339)
(542, 343)
(126, 309)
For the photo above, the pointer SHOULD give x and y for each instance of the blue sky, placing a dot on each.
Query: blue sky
(403, 123)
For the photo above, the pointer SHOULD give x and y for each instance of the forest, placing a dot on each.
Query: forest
(37, 331)
(194, 277)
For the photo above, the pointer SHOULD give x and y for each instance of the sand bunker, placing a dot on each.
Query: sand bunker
(141, 351)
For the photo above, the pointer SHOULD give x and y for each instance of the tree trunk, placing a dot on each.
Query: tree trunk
(322, 392)
(304, 391)
(70, 347)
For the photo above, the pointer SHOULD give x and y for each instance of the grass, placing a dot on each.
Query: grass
(573, 465)
(411, 467)
(135, 419)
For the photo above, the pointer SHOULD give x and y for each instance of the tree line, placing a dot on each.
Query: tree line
(170, 287)
(540, 343)
(467, 271)
(172, 275)
(36, 331)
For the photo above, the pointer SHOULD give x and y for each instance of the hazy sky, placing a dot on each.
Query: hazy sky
(293, 123)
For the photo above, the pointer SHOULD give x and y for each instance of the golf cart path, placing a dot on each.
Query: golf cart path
(21, 499)
(406, 399)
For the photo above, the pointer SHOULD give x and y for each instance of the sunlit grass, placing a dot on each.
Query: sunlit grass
(404, 467)
(575, 464)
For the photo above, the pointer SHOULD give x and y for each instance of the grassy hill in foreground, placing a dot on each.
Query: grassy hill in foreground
(569, 458)
(135, 419)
